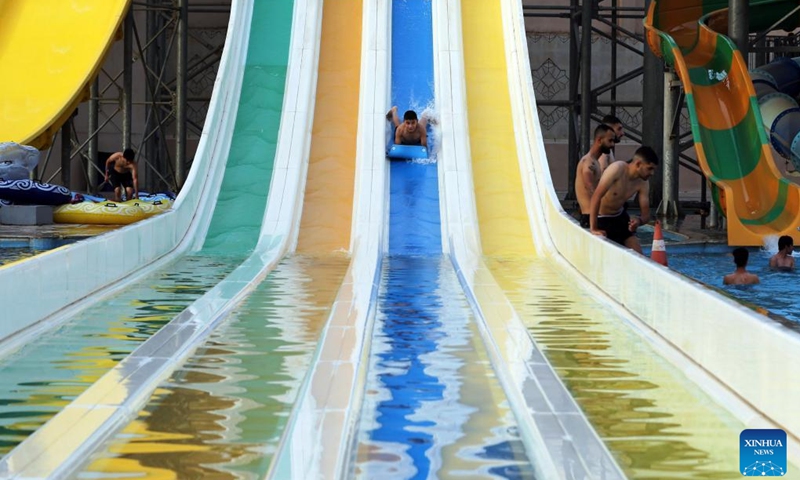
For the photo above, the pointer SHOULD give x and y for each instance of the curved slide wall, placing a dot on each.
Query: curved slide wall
(68, 275)
(50, 51)
(732, 147)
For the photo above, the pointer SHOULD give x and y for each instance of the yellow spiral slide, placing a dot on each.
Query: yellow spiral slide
(50, 51)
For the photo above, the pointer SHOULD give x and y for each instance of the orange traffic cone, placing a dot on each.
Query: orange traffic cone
(659, 252)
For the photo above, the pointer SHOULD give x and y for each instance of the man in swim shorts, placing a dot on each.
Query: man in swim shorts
(411, 131)
(122, 172)
(620, 181)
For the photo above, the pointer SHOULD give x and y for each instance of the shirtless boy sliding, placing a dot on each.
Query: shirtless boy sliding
(589, 169)
(620, 182)
(411, 131)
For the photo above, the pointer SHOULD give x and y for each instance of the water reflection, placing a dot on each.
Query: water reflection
(433, 406)
(12, 254)
(222, 414)
(655, 421)
(46, 374)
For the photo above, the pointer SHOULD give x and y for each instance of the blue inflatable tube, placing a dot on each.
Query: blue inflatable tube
(29, 192)
(408, 152)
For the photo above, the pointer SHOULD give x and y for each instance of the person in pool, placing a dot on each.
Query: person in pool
(783, 260)
(411, 131)
(741, 276)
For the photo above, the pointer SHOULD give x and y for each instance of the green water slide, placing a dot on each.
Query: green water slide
(732, 146)
(237, 218)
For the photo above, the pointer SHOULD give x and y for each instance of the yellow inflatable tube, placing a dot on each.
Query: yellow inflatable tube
(109, 213)
(150, 208)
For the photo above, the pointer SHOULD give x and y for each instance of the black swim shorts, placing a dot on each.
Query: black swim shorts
(616, 227)
(117, 179)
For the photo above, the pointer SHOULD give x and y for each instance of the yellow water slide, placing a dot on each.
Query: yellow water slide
(50, 51)
(651, 417)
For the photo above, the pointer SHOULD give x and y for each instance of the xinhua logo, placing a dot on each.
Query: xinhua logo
(762, 453)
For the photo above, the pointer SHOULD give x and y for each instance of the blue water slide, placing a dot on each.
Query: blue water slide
(414, 222)
(777, 86)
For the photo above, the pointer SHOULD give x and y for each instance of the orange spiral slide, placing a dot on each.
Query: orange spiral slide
(732, 146)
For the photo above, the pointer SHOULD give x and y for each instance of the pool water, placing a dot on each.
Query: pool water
(434, 407)
(778, 291)
(12, 254)
(12, 250)
(221, 414)
(655, 421)
(47, 373)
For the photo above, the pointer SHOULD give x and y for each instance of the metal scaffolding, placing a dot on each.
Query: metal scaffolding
(662, 105)
(151, 95)
(589, 101)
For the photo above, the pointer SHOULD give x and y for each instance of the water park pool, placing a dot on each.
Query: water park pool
(777, 292)
(13, 249)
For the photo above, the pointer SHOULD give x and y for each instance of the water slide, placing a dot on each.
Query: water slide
(600, 364)
(652, 359)
(777, 85)
(46, 66)
(732, 146)
(505, 342)
(110, 327)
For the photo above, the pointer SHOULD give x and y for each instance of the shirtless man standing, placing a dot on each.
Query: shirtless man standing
(619, 182)
(589, 170)
(410, 131)
(122, 172)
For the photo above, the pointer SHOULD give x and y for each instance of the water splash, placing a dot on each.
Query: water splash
(429, 115)
(770, 244)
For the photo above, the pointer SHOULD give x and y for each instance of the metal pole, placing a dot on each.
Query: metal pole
(669, 203)
(66, 148)
(739, 24)
(653, 113)
(761, 56)
(572, 148)
(614, 55)
(180, 114)
(94, 111)
(127, 80)
(586, 74)
(152, 151)
(713, 215)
